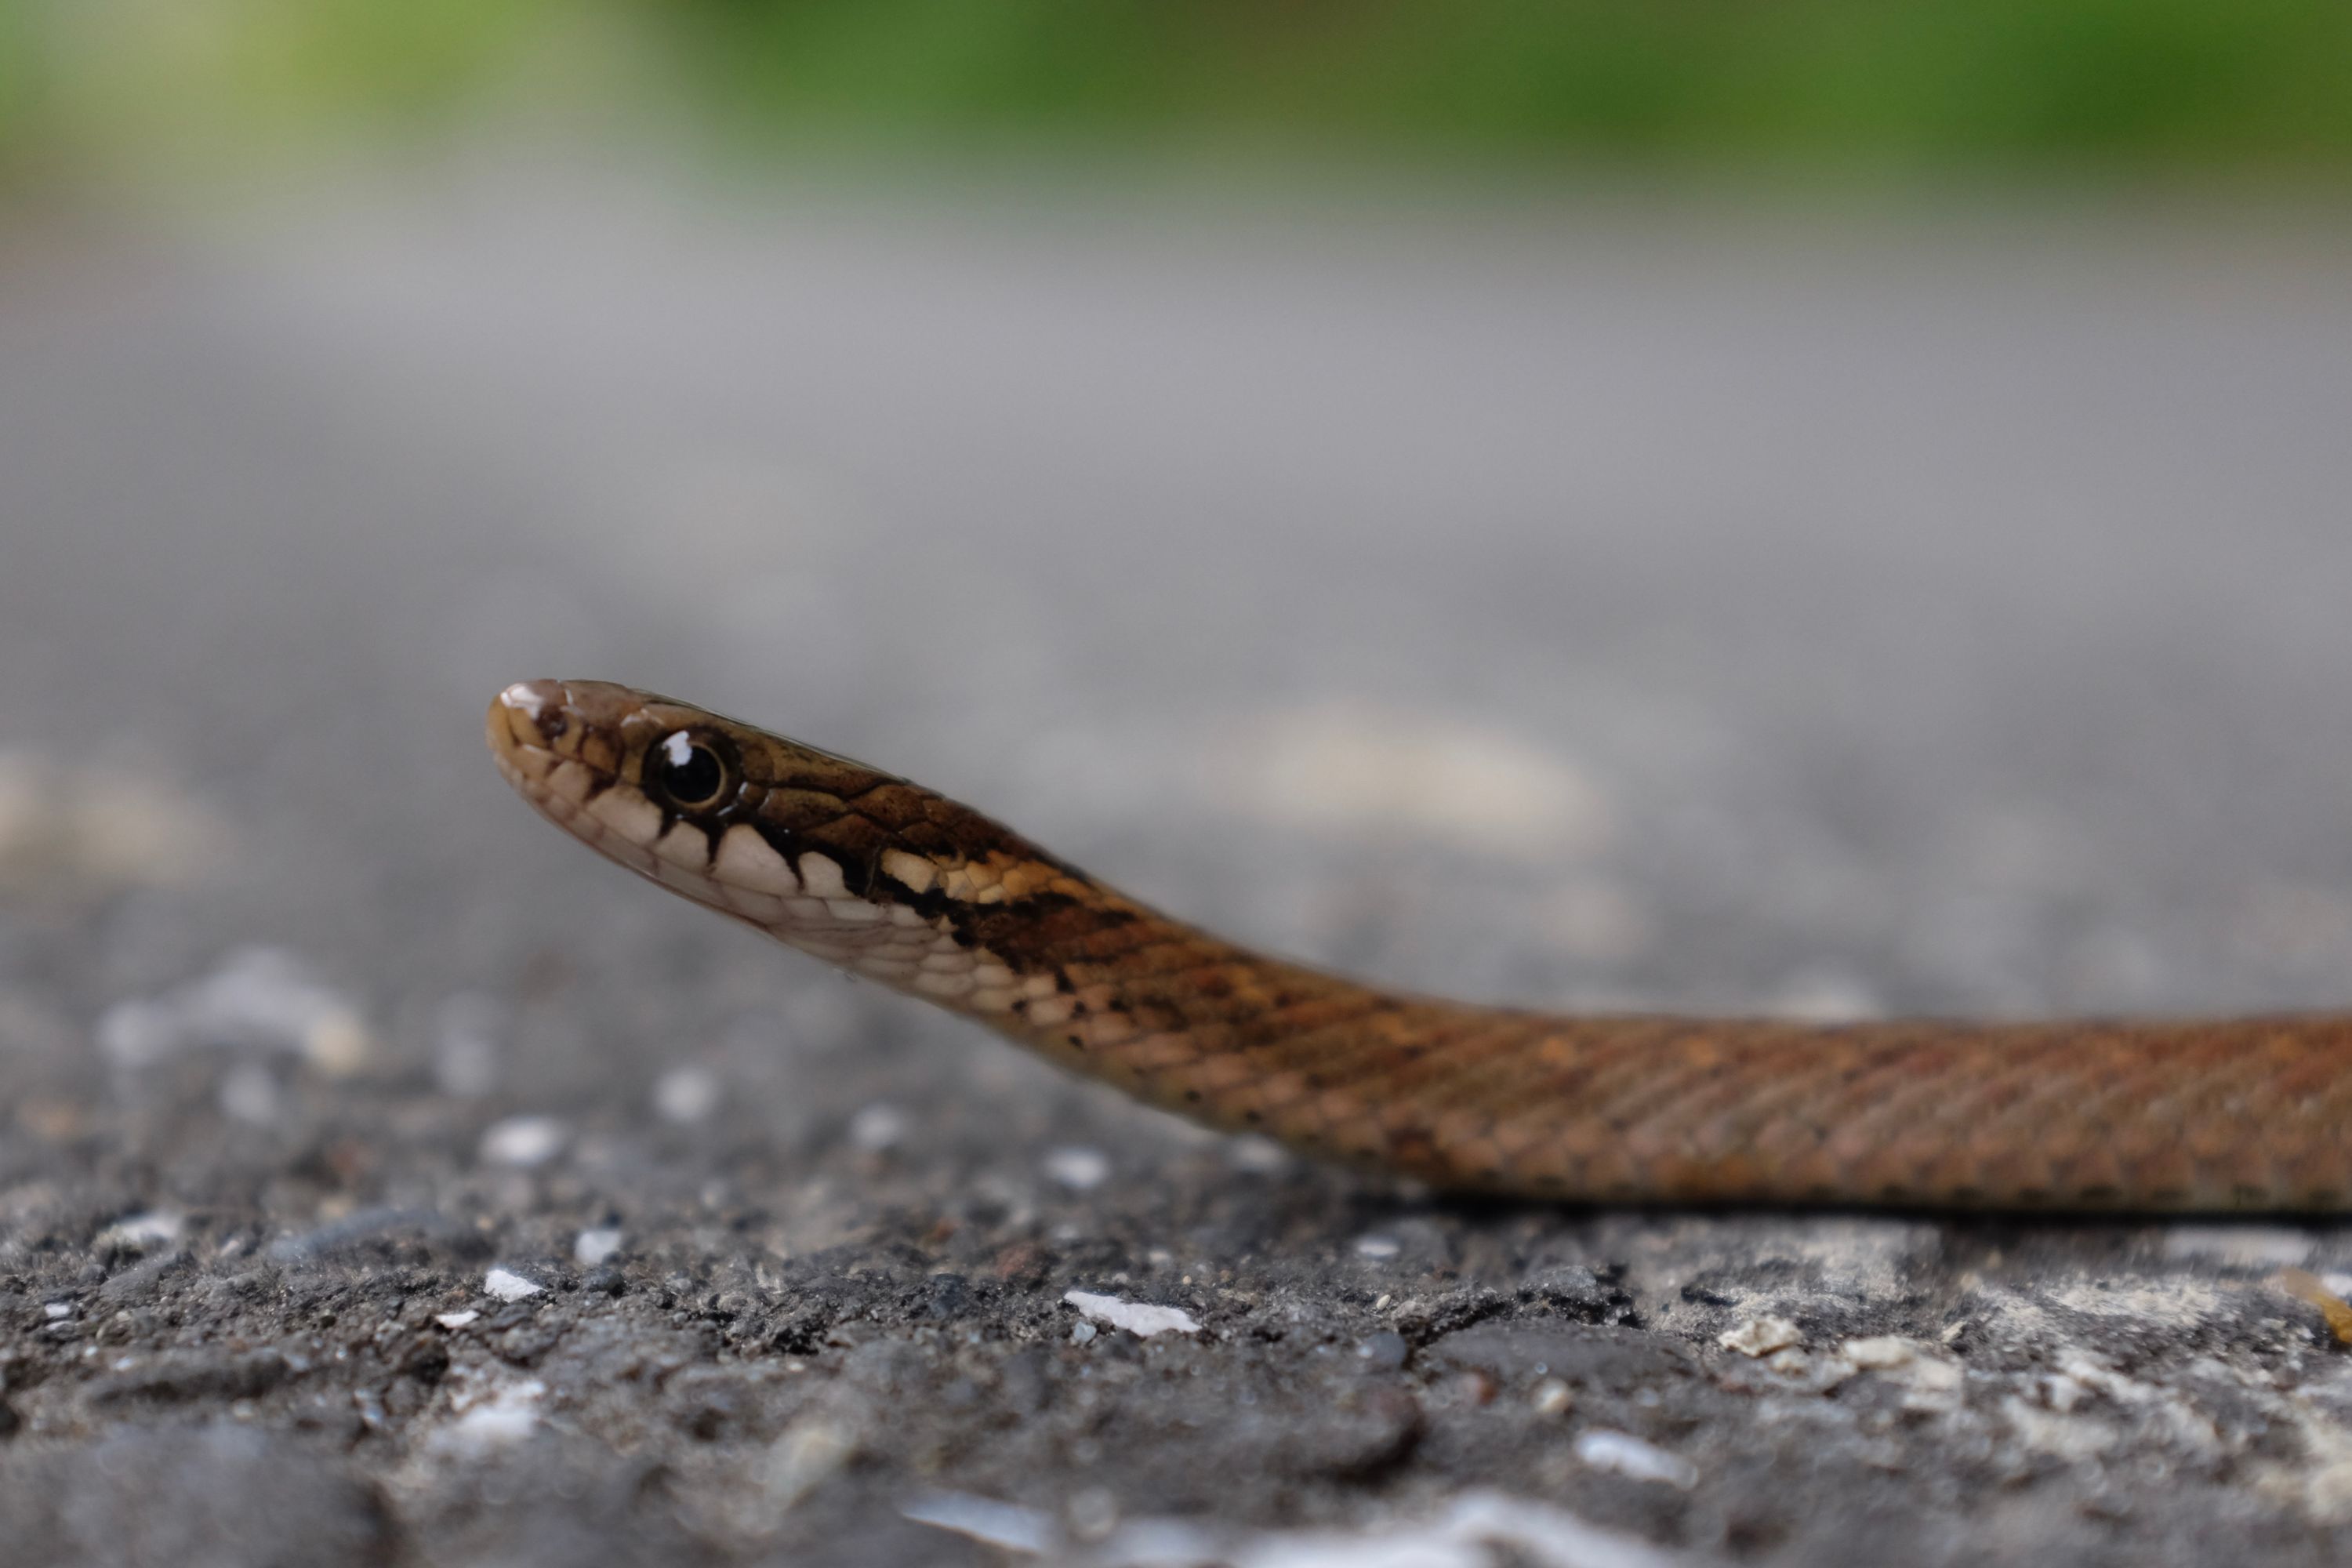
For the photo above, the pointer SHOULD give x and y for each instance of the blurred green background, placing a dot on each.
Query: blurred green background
(1884, 89)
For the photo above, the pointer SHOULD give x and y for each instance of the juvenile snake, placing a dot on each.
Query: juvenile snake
(905, 887)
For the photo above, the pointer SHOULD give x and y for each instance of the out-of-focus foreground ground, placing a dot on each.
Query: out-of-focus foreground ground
(1532, 594)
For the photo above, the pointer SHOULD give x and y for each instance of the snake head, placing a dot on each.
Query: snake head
(845, 862)
(663, 787)
(801, 842)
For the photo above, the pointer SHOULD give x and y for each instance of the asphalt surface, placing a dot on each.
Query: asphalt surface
(1590, 603)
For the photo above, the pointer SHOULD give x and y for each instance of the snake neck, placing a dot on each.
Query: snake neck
(1107, 986)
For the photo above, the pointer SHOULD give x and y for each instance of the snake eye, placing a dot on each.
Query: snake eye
(686, 770)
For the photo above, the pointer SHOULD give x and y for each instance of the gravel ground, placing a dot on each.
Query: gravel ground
(1602, 604)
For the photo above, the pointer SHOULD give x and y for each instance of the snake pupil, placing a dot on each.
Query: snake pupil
(691, 773)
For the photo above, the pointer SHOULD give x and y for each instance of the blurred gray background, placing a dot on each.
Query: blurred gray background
(1575, 586)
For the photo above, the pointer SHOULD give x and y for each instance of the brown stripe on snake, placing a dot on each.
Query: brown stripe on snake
(904, 886)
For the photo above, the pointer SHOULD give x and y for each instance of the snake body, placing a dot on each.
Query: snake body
(903, 886)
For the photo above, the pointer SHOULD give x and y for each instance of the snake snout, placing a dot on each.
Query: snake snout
(532, 724)
(528, 713)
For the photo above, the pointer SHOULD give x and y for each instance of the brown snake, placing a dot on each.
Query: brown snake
(904, 886)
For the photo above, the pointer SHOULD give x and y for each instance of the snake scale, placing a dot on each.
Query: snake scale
(904, 886)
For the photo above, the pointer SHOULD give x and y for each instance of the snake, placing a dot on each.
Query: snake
(906, 888)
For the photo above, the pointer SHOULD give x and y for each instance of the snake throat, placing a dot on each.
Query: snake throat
(908, 888)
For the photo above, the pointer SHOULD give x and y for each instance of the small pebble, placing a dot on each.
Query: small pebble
(453, 1321)
(523, 1141)
(1377, 1246)
(1137, 1318)
(1257, 1155)
(504, 1416)
(1093, 1514)
(1079, 1169)
(595, 1245)
(802, 1458)
(259, 997)
(1082, 1334)
(1621, 1453)
(1934, 1377)
(1386, 1350)
(607, 1282)
(139, 1232)
(1006, 1526)
(877, 1127)
(1879, 1352)
(509, 1286)
(1760, 1336)
(686, 1095)
(1552, 1397)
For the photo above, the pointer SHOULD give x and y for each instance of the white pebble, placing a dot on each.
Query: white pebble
(877, 1127)
(1552, 1397)
(1934, 1380)
(1760, 1336)
(1080, 1170)
(800, 1460)
(259, 997)
(523, 1141)
(1377, 1246)
(1621, 1453)
(1138, 1319)
(506, 1415)
(453, 1321)
(1006, 1526)
(1880, 1351)
(1260, 1156)
(56, 1311)
(509, 1286)
(686, 1095)
(1093, 1513)
(336, 1043)
(141, 1231)
(592, 1246)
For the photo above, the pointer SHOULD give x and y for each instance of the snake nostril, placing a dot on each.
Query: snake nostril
(528, 713)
